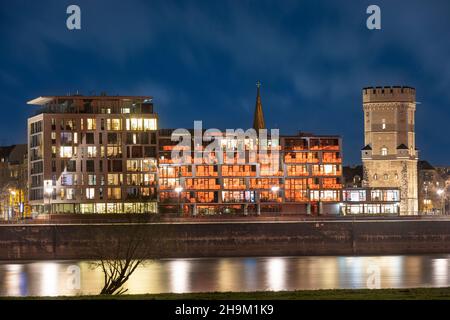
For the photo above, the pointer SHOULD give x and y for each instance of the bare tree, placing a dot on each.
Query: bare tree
(132, 244)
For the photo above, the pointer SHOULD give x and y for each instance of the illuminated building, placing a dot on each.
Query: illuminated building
(13, 182)
(369, 201)
(390, 156)
(92, 154)
(308, 179)
(431, 180)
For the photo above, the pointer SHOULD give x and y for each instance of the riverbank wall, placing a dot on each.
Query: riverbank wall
(217, 239)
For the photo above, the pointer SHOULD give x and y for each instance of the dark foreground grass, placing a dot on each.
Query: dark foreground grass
(341, 294)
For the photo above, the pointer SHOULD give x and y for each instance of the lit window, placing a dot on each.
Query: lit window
(150, 124)
(92, 180)
(383, 124)
(384, 151)
(375, 177)
(90, 193)
(125, 110)
(134, 124)
(114, 193)
(91, 125)
(386, 176)
(70, 194)
(91, 151)
(66, 152)
(114, 124)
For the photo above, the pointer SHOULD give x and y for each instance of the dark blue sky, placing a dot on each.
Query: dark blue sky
(200, 60)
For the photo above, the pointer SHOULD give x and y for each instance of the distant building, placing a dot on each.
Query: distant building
(431, 181)
(93, 154)
(13, 182)
(390, 156)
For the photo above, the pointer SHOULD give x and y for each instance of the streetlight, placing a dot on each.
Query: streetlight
(440, 193)
(178, 190)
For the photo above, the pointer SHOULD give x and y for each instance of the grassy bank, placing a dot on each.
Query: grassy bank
(357, 294)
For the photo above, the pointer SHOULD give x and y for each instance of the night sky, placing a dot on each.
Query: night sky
(200, 61)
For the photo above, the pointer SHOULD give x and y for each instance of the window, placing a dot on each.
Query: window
(90, 124)
(114, 193)
(114, 124)
(141, 124)
(149, 124)
(392, 195)
(114, 179)
(376, 195)
(90, 138)
(65, 152)
(67, 180)
(70, 194)
(90, 166)
(383, 124)
(91, 152)
(90, 193)
(384, 151)
(92, 180)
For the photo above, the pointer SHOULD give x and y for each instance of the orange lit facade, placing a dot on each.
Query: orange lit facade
(308, 180)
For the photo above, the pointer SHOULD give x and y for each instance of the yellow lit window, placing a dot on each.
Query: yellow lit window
(90, 124)
(150, 124)
(114, 124)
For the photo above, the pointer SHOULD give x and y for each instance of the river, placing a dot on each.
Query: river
(54, 278)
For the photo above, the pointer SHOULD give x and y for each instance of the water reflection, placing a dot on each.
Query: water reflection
(51, 278)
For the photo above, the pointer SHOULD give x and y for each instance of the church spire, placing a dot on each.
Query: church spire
(258, 119)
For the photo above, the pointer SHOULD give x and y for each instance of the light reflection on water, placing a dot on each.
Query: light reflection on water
(52, 278)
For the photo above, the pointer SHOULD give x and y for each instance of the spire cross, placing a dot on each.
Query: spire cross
(258, 84)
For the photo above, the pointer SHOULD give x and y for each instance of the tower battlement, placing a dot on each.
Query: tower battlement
(389, 94)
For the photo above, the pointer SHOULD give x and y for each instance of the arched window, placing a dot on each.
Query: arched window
(384, 151)
(375, 177)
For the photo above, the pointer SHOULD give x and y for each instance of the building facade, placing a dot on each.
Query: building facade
(308, 180)
(105, 154)
(13, 182)
(93, 154)
(390, 155)
(369, 201)
(432, 189)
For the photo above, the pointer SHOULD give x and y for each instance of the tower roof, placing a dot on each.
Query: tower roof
(258, 118)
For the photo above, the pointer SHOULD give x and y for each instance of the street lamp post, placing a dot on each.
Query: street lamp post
(178, 190)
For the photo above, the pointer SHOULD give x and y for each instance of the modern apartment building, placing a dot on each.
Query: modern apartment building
(307, 180)
(93, 154)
